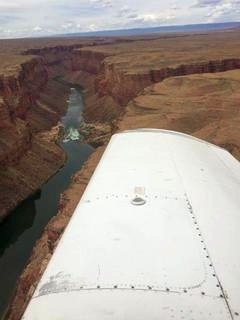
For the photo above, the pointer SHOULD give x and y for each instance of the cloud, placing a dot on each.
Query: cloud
(37, 29)
(103, 3)
(152, 19)
(175, 7)
(225, 10)
(219, 10)
(8, 19)
(206, 3)
(9, 5)
(132, 15)
(127, 12)
(92, 27)
(67, 26)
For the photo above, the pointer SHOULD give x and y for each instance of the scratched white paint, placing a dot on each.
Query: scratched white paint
(174, 257)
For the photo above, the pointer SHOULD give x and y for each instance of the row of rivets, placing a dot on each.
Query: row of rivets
(221, 295)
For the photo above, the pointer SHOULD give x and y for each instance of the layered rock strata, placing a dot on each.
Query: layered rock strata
(26, 159)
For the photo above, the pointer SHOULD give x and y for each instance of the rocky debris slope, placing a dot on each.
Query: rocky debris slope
(96, 134)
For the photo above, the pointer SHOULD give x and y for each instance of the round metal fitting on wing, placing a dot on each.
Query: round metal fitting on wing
(138, 201)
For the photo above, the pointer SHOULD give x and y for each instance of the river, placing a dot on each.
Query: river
(19, 232)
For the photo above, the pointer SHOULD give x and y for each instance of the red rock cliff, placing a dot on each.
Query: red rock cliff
(111, 88)
(18, 94)
(26, 159)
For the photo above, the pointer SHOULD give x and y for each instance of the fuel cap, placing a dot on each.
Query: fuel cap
(138, 201)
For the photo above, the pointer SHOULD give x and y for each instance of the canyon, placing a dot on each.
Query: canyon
(187, 83)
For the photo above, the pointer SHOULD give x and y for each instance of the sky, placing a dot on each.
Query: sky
(24, 18)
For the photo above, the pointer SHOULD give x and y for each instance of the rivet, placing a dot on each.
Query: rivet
(221, 296)
(214, 275)
(167, 289)
(207, 257)
(236, 313)
(132, 287)
(210, 265)
(185, 290)
(203, 293)
(98, 287)
(115, 287)
(149, 287)
(218, 285)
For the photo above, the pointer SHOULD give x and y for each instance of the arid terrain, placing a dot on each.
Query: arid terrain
(203, 105)
(183, 82)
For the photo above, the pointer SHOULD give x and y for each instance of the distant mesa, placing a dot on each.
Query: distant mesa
(161, 29)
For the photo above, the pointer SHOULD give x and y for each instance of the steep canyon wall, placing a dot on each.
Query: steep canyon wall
(27, 160)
